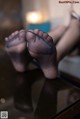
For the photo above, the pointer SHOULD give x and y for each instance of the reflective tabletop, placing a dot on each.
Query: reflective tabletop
(30, 95)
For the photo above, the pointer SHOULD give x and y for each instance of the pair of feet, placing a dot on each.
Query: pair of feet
(23, 46)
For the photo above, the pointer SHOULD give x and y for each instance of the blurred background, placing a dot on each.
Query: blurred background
(10, 18)
(18, 14)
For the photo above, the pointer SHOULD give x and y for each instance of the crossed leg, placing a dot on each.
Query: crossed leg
(69, 41)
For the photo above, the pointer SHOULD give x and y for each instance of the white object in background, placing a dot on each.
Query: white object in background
(71, 65)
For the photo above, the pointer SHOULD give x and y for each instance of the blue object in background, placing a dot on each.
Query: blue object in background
(45, 27)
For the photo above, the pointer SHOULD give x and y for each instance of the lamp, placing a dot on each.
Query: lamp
(36, 15)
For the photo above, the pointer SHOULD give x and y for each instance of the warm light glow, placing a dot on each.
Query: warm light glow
(34, 17)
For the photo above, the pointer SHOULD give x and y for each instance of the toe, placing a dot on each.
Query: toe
(30, 35)
(40, 33)
(49, 38)
(36, 31)
(50, 41)
(6, 39)
(22, 31)
(10, 37)
(45, 35)
(22, 34)
(15, 33)
(12, 34)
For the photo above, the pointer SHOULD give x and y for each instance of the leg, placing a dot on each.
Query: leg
(15, 45)
(59, 31)
(41, 47)
(69, 41)
(76, 14)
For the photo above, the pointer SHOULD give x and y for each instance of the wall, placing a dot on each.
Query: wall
(51, 8)
(57, 9)
(35, 5)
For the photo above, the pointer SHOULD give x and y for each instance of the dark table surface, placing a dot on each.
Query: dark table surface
(40, 97)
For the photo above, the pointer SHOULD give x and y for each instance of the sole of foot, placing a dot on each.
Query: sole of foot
(16, 47)
(42, 49)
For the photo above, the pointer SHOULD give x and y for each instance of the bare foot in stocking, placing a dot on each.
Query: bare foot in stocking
(15, 45)
(41, 47)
